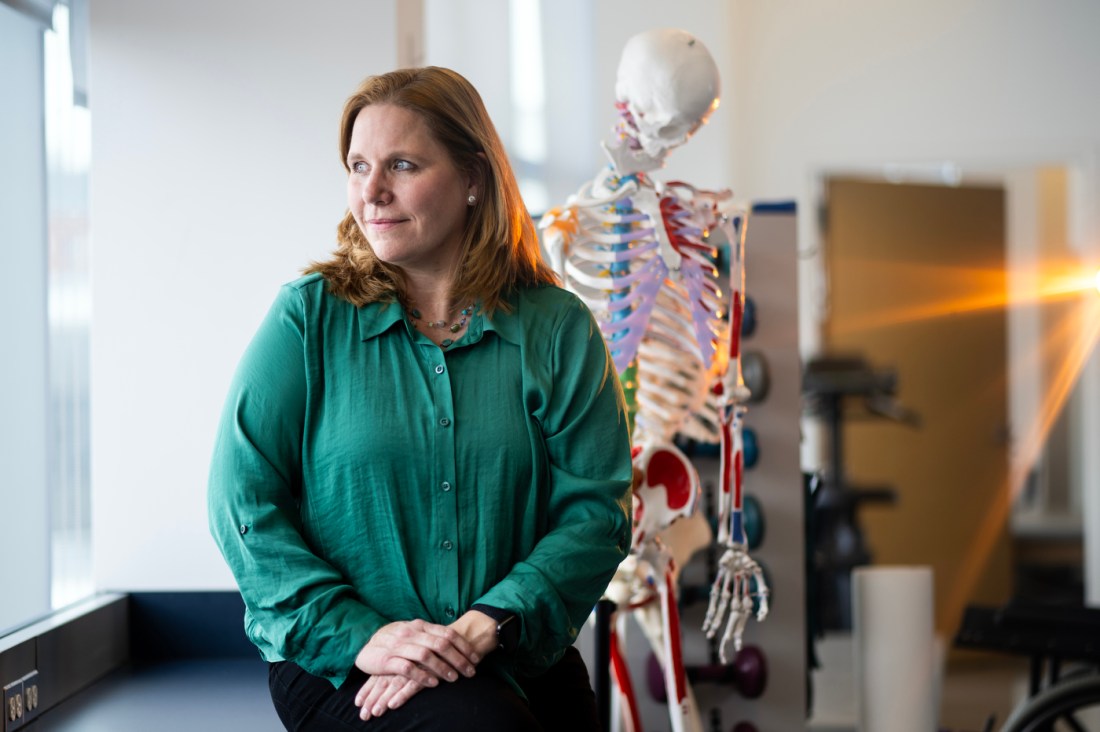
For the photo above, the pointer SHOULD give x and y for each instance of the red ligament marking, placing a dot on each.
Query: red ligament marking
(622, 679)
(725, 461)
(738, 470)
(675, 657)
(735, 326)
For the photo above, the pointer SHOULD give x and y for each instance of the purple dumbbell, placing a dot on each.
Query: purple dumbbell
(748, 672)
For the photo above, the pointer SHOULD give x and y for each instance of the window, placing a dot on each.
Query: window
(44, 476)
(68, 146)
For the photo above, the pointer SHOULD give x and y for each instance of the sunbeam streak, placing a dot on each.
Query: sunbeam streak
(1081, 330)
(1056, 364)
(986, 287)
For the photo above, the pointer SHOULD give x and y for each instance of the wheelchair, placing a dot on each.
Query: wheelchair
(1063, 644)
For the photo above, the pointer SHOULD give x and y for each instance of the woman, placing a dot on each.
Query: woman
(421, 479)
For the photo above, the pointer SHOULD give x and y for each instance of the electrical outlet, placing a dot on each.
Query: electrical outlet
(14, 713)
(30, 696)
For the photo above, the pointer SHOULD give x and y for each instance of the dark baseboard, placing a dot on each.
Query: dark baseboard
(79, 645)
(174, 625)
(70, 650)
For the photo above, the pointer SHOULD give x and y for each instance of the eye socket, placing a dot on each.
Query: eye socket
(402, 165)
(673, 129)
(359, 167)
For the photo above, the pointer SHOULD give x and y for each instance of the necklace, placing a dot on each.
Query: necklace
(464, 315)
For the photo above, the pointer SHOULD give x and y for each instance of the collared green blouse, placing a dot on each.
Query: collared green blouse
(362, 475)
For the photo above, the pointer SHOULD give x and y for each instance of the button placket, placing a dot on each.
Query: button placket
(439, 381)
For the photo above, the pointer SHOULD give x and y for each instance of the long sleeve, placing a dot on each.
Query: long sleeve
(587, 448)
(299, 606)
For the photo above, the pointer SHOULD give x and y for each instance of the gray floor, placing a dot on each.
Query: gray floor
(230, 695)
(974, 686)
(211, 695)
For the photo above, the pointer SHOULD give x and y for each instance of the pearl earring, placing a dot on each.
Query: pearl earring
(471, 200)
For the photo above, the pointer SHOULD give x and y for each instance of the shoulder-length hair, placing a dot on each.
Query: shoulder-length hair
(500, 249)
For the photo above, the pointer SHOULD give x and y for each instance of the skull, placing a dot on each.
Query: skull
(667, 87)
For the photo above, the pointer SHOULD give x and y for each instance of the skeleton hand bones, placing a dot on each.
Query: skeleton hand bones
(732, 593)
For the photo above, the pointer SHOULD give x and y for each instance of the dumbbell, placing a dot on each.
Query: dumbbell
(748, 673)
(753, 517)
(752, 521)
(750, 450)
(748, 317)
(756, 375)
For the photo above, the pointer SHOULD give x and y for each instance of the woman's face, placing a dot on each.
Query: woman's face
(405, 192)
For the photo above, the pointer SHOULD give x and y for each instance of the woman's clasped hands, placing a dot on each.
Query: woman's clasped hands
(406, 656)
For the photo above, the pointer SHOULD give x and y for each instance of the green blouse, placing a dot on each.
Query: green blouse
(362, 475)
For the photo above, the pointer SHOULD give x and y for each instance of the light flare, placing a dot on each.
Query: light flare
(1073, 342)
(1064, 351)
(986, 288)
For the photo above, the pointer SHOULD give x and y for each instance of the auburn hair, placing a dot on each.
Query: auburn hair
(500, 249)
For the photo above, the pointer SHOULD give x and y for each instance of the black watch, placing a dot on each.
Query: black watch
(507, 626)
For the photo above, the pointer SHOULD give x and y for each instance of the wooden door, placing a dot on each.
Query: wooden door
(917, 283)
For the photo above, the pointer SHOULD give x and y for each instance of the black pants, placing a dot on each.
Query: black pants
(560, 699)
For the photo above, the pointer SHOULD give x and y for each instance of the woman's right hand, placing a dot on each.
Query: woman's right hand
(419, 651)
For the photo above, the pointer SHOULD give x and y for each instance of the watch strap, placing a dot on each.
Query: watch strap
(507, 626)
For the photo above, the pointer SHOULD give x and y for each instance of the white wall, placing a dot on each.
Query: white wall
(215, 178)
(986, 84)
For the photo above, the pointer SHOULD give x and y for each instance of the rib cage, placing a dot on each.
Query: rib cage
(639, 259)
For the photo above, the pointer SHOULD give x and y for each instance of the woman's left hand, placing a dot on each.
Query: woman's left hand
(384, 692)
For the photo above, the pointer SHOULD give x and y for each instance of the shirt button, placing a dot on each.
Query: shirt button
(439, 368)
(447, 544)
(450, 612)
(444, 422)
(244, 529)
(445, 486)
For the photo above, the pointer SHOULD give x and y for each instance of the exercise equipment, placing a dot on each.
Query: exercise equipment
(753, 521)
(839, 546)
(1052, 636)
(747, 673)
(751, 447)
(748, 319)
(754, 370)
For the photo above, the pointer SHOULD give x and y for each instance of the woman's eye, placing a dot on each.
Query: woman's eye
(359, 167)
(402, 165)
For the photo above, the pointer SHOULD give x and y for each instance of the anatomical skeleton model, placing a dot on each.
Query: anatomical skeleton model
(636, 251)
